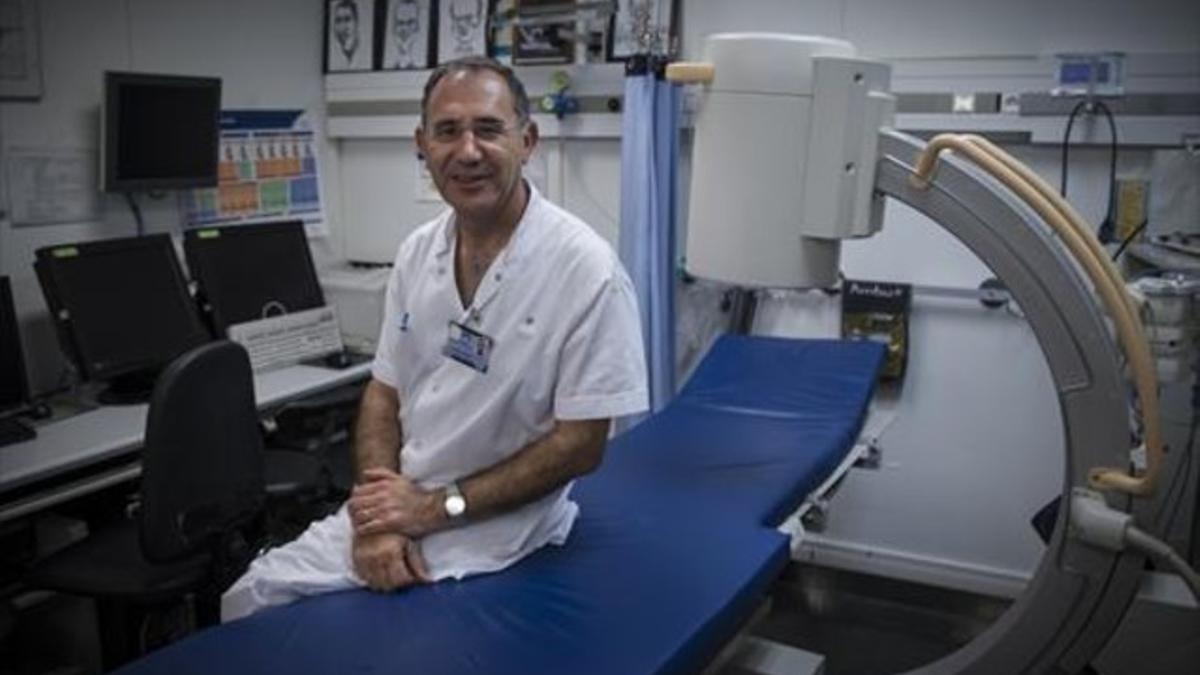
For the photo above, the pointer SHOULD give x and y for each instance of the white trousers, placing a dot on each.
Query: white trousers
(318, 561)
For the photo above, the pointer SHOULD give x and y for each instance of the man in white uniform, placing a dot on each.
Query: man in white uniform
(509, 341)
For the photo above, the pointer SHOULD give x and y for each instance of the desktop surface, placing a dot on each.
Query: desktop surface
(110, 436)
(13, 430)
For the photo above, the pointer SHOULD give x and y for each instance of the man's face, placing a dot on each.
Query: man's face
(345, 27)
(473, 143)
(404, 21)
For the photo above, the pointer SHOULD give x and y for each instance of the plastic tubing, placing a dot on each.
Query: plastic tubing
(1082, 244)
(1073, 218)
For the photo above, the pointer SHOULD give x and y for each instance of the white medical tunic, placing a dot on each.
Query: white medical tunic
(562, 316)
(566, 344)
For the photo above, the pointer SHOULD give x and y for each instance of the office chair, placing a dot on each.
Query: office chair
(321, 426)
(202, 495)
(308, 466)
(297, 485)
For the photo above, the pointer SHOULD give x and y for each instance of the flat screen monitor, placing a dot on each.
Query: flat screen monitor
(14, 387)
(160, 131)
(250, 272)
(122, 309)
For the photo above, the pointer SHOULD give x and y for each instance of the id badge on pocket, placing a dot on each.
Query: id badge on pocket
(469, 347)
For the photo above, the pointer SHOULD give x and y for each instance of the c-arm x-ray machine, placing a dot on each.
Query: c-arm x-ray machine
(793, 152)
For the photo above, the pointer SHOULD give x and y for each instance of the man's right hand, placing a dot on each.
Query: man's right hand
(388, 561)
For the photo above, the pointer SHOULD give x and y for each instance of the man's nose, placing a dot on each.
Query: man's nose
(468, 147)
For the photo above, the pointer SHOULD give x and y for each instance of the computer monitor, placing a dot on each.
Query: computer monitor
(122, 309)
(159, 131)
(14, 386)
(250, 272)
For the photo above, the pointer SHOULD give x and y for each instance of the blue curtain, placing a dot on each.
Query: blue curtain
(649, 204)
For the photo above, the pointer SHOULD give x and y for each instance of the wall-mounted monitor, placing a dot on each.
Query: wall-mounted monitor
(159, 131)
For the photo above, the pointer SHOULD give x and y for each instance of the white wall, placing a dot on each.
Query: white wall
(379, 182)
(267, 52)
(591, 184)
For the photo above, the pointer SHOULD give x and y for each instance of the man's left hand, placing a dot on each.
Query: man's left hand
(389, 502)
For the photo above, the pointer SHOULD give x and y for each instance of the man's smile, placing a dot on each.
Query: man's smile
(470, 179)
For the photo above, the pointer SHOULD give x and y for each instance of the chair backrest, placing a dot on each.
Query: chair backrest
(202, 464)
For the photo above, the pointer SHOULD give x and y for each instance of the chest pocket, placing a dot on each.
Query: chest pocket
(529, 328)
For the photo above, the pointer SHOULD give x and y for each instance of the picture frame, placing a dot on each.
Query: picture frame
(20, 52)
(543, 43)
(633, 19)
(463, 29)
(351, 43)
(407, 34)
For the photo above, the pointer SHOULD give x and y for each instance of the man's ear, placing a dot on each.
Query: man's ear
(529, 138)
(419, 137)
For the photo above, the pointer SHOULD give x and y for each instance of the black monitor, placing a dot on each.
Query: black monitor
(122, 309)
(14, 386)
(159, 131)
(250, 272)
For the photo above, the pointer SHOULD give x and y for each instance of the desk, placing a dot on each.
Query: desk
(96, 449)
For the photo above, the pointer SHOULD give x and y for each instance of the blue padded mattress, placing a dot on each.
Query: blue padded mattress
(674, 547)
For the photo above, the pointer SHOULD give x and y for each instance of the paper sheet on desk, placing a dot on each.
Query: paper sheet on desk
(49, 185)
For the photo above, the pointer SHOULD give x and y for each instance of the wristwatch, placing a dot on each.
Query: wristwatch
(454, 504)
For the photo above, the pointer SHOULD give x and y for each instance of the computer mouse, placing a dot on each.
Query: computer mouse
(40, 411)
(338, 360)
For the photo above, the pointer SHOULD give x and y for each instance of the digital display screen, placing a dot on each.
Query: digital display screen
(160, 131)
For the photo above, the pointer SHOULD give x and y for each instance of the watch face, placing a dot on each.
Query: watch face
(455, 505)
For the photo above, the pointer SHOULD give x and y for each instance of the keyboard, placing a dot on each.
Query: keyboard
(14, 431)
(290, 338)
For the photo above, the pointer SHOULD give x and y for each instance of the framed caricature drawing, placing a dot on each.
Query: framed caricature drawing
(462, 29)
(349, 35)
(406, 31)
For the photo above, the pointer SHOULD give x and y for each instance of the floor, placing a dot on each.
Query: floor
(868, 625)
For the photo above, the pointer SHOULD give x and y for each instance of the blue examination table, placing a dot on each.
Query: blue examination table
(674, 548)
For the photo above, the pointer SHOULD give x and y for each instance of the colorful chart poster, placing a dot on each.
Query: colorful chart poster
(266, 170)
